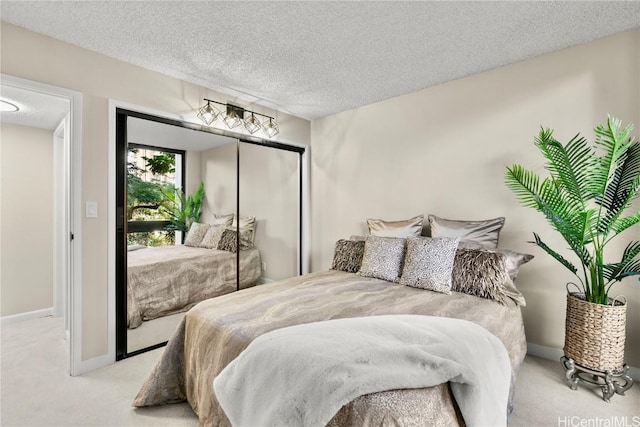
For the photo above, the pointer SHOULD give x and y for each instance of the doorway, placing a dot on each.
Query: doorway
(38, 100)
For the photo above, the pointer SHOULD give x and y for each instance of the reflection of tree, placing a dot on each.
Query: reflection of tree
(143, 195)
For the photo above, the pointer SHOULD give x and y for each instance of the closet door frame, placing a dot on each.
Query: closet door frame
(119, 307)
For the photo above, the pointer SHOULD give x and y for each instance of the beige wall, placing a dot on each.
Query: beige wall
(32, 56)
(443, 150)
(26, 233)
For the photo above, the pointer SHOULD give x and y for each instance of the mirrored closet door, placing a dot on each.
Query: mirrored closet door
(186, 198)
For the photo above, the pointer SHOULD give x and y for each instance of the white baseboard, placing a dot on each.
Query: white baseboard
(552, 353)
(95, 363)
(5, 320)
(264, 281)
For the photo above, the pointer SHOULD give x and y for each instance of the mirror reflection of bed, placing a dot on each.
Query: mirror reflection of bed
(170, 271)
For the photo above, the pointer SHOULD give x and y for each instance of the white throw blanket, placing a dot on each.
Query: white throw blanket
(302, 375)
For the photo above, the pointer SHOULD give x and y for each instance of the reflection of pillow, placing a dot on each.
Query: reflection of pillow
(472, 234)
(382, 258)
(484, 274)
(225, 220)
(135, 247)
(196, 233)
(405, 228)
(429, 262)
(248, 227)
(348, 255)
(211, 239)
(514, 261)
(228, 241)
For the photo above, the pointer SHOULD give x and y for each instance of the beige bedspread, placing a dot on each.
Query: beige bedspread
(216, 331)
(172, 279)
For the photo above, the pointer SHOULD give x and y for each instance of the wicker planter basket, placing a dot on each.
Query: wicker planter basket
(595, 333)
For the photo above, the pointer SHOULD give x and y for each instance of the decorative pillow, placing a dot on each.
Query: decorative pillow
(514, 261)
(429, 262)
(483, 274)
(382, 258)
(357, 238)
(405, 228)
(212, 238)
(225, 220)
(196, 233)
(472, 234)
(247, 230)
(228, 241)
(348, 255)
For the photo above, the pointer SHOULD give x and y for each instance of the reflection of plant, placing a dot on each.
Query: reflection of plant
(584, 198)
(180, 210)
(145, 195)
(151, 238)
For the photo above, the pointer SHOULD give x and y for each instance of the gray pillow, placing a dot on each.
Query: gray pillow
(212, 237)
(348, 255)
(196, 234)
(382, 258)
(404, 228)
(514, 260)
(429, 262)
(472, 234)
(484, 274)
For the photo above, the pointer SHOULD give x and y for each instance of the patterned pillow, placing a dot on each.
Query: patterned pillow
(472, 234)
(404, 228)
(348, 255)
(228, 241)
(211, 239)
(382, 258)
(429, 262)
(195, 234)
(483, 274)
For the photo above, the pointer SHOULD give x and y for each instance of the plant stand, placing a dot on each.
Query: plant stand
(609, 382)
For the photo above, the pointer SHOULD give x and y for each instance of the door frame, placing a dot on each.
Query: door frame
(74, 240)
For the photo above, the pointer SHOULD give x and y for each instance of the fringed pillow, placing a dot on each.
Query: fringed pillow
(228, 241)
(348, 255)
(484, 274)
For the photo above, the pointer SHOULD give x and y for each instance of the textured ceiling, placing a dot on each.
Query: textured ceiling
(36, 109)
(313, 59)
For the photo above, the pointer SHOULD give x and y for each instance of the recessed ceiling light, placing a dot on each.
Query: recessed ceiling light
(7, 107)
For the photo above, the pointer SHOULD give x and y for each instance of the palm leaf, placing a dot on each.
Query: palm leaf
(569, 165)
(629, 265)
(562, 260)
(525, 184)
(611, 139)
(622, 224)
(622, 190)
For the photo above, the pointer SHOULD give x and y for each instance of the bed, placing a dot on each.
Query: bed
(216, 331)
(171, 279)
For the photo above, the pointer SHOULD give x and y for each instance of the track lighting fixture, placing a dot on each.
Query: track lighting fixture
(234, 115)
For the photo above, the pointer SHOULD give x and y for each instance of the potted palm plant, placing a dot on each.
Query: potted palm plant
(588, 198)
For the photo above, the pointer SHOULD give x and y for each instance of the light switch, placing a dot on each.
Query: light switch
(91, 210)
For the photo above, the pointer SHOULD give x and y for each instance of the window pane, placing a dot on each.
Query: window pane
(152, 238)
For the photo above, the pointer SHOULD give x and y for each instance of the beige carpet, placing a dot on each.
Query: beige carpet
(36, 389)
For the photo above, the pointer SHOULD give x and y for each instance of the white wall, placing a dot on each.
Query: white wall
(33, 56)
(443, 150)
(26, 235)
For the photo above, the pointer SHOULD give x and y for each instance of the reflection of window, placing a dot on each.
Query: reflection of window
(153, 175)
